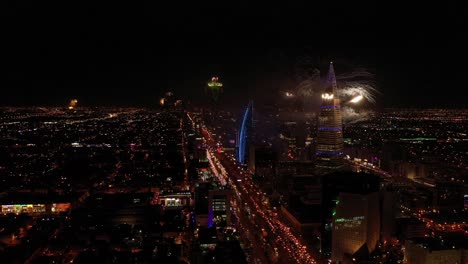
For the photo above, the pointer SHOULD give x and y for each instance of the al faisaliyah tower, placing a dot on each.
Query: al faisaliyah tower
(329, 150)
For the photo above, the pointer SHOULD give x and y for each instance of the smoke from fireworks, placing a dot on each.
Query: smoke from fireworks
(354, 86)
(350, 85)
(351, 115)
(357, 82)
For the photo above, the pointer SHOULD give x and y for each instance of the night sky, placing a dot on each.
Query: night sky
(129, 54)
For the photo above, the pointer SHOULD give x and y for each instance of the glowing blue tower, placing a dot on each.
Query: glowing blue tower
(245, 134)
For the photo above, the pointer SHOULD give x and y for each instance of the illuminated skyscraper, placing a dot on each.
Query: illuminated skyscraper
(245, 135)
(329, 151)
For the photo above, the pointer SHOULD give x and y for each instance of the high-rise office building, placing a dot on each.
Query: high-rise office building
(219, 207)
(329, 150)
(356, 225)
(335, 184)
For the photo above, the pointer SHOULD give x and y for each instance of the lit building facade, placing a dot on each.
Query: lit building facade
(35, 209)
(433, 251)
(329, 150)
(245, 135)
(219, 207)
(175, 200)
(356, 224)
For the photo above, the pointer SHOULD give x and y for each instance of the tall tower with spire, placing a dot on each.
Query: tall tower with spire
(329, 150)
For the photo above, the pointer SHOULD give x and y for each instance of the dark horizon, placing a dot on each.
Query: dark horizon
(131, 55)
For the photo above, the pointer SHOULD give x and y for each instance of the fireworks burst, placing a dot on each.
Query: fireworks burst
(72, 104)
(355, 83)
(354, 87)
(356, 99)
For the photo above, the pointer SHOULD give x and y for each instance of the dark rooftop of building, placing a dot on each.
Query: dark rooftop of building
(434, 244)
(351, 182)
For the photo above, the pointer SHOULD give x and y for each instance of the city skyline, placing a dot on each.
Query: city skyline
(166, 184)
(247, 133)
